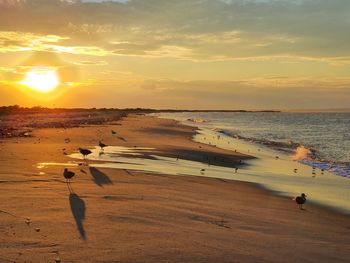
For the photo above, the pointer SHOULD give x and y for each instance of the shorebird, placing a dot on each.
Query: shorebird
(113, 132)
(102, 145)
(68, 174)
(300, 200)
(85, 152)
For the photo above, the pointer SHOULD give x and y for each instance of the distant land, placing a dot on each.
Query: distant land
(15, 109)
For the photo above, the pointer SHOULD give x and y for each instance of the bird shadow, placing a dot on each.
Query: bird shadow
(99, 177)
(78, 208)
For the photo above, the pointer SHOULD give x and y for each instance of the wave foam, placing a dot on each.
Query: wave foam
(301, 153)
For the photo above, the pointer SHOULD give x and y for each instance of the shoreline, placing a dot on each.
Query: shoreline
(286, 181)
(260, 150)
(134, 216)
(302, 148)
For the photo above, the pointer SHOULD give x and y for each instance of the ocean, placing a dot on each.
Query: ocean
(323, 138)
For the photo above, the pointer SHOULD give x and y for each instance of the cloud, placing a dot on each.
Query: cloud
(14, 41)
(208, 29)
(91, 63)
(268, 93)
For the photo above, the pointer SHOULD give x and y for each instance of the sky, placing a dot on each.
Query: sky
(183, 54)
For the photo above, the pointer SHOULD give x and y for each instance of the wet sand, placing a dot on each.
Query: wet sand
(112, 215)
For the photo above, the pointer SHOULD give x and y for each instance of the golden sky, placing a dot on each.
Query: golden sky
(194, 54)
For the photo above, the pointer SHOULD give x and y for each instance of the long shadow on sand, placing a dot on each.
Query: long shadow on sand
(99, 177)
(78, 208)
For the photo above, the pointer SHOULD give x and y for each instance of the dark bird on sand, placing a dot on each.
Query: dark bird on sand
(300, 200)
(85, 152)
(113, 132)
(68, 174)
(102, 145)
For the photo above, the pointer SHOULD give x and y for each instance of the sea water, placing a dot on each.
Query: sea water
(325, 134)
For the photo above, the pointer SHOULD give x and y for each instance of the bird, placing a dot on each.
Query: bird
(68, 174)
(113, 132)
(300, 200)
(102, 145)
(85, 152)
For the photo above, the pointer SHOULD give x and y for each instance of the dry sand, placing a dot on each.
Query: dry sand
(132, 216)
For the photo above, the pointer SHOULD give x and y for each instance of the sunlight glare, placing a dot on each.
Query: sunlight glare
(41, 79)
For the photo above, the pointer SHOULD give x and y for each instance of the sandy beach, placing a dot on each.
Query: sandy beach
(118, 215)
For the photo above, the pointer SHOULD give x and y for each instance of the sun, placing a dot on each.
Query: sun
(41, 79)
